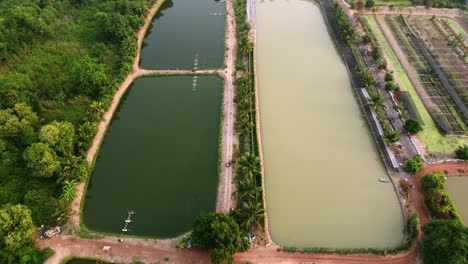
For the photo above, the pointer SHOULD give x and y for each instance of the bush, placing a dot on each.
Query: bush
(433, 182)
(370, 3)
(462, 152)
(391, 86)
(412, 126)
(220, 233)
(414, 164)
(389, 77)
(366, 39)
(437, 199)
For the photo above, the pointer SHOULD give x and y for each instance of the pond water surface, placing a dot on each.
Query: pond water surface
(457, 188)
(321, 166)
(159, 158)
(180, 30)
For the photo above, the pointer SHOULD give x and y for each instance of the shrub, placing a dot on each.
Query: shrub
(389, 77)
(414, 164)
(462, 152)
(366, 39)
(412, 226)
(391, 86)
(412, 126)
(433, 182)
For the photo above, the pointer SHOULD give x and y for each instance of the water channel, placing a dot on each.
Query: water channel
(321, 167)
(183, 30)
(457, 188)
(159, 158)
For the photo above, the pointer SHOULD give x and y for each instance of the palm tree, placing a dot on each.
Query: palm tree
(391, 136)
(250, 162)
(253, 213)
(248, 189)
(376, 101)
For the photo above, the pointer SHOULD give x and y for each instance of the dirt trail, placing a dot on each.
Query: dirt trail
(226, 188)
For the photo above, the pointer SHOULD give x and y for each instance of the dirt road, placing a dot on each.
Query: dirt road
(225, 199)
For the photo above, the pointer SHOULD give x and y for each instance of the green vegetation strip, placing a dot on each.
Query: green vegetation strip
(430, 136)
(437, 199)
(458, 29)
(396, 3)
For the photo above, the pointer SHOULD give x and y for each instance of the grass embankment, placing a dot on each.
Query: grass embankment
(430, 136)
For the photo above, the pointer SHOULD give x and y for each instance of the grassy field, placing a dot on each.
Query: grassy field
(430, 136)
(399, 3)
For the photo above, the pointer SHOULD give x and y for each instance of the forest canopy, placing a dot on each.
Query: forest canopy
(60, 63)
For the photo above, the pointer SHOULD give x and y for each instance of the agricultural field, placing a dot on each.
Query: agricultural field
(438, 105)
(426, 58)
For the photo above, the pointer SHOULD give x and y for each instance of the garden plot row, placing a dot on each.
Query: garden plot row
(437, 101)
(444, 49)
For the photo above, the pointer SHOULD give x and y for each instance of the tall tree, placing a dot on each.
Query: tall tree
(253, 214)
(445, 242)
(60, 136)
(220, 233)
(41, 160)
(17, 235)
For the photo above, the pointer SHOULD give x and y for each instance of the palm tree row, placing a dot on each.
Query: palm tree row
(249, 194)
(250, 212)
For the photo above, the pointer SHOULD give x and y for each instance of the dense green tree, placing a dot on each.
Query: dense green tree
(42, 205)
(377, 54)
(462, 152)
(60, 136)
(17, 235)
(93, 77)
(445, 241)
(18, 125)
(412, 126)
(414, 164)
(391, 136)
(41, 160)
(433, 181)
(220, 233)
